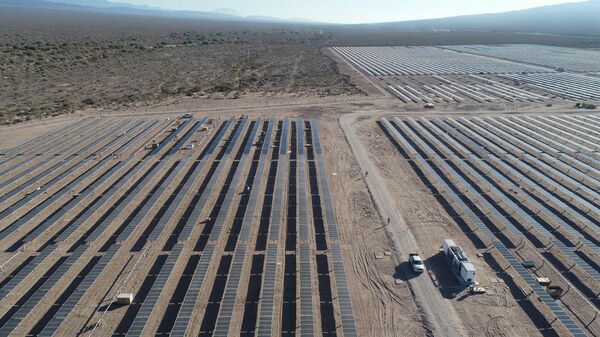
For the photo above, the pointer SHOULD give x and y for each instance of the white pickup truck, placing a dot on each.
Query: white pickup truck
(416, 263)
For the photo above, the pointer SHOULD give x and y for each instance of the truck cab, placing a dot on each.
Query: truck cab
(416, 263)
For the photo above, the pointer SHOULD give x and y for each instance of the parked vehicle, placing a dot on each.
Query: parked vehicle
(416, 263)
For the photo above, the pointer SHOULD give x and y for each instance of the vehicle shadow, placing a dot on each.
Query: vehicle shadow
(404, 272)
(443, 278)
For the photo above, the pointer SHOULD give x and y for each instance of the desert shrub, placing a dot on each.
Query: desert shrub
(223, 87)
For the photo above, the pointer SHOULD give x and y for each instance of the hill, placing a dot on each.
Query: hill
(573, 18)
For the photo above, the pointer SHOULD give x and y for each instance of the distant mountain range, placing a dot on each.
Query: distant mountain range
(572, 18)
(105, 6)
(581, 18)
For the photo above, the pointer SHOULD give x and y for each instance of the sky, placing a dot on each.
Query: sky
(352, 11)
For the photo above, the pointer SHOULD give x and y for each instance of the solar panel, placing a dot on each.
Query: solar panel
(564, 160)
(564, 128)
(151, 203)
(185, 190)
(474, 195)
(55, 133)
(343, 294)
(267, 301)
(63, 136)
(139, 321)
(565, 319)
(87, 191)
(526, 218)
(535, 172)
(225, 208)
(194, 216)
(446, 189)
(510, 171)
(75, 296)
(170, 137)
(57, 161)
(25, 271)
(276, 208)
(539, 291)
(256, 184)
(556, 163)
(306, 303)
(189, 302)
(187, 136)
(39, 294)
(52, 199)
(332, 230)
(228, 302)
(125, 203)
(301, 179)
(535, 224)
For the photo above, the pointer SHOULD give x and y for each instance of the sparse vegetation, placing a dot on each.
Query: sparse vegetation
(53, 62)
(57, 69)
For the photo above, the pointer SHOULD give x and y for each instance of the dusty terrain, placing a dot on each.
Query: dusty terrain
(382, 207)
(53, 62)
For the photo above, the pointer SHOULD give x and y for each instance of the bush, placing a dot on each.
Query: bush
(223, 87)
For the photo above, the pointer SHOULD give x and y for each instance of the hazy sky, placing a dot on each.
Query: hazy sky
(352, 11)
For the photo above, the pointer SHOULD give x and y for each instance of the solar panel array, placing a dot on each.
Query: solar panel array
(251, 208)
(72, 152)
(233, 187)
(306, 303)
(498, 166)
(566, 85)
(116, 215)
(480, 89)
(230, 295)
(61, 192)
(141, 317)
(519, 209)
(75, 296)
(14, 320)
(198, 208)
(171, 136)
(189, 303)
(394, 61)
(46, 137)
(181, 142)
(185, 187)
(574, 59)
(276, 210)
(267, 298)
(301, 176)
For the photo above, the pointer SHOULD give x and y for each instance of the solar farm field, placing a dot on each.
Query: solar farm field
(522, 188)
(573, 59)
(217, 228)
(487, 75)
(394, 61)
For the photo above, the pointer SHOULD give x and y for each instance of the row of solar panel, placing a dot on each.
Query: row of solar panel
(38, 179)
(46, 137)
(184, 311)
(58, 194)
(194, 217)
(540, 177)
(464, 209)
(101, 134)
(70, 302)
(547, 145)
(519, 209)
(50, 145)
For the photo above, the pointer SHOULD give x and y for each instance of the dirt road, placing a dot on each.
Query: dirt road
(437, 314)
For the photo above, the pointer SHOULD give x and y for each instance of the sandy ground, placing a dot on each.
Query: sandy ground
(425, 305)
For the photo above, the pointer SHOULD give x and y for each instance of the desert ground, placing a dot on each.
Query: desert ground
(161, 215)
